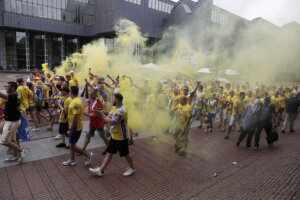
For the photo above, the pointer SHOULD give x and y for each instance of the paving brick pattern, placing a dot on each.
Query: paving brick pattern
(270, 173)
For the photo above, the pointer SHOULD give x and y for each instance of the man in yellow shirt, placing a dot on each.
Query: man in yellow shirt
(75, 120)
(74, 81)
(64, 104)
(23, 92)
(117, 118)
(249, 98)
(229, 102)
(239, 107)
(221, 105)
(183, 112)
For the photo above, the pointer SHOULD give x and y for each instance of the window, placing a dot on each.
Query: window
(21, 51)
(19, 7)
(160, 6)
(138, 2)
(7, 5)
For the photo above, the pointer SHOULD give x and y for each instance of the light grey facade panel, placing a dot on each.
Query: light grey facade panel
(12, 20)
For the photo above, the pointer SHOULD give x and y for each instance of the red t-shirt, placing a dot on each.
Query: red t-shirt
(95, 120)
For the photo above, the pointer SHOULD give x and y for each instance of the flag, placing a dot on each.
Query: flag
(23, 130)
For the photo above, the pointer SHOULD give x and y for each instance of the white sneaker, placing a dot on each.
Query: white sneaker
(129, 172)
(69, 162)
(96, 171)
(11, 158)
(22, 156)
(88, 159)
(35, 129)
(57, 137)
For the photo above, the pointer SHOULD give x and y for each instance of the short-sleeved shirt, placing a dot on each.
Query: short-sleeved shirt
(239, 107)
(221, 100)
(95, 120)
(119, 130)
(183, 113)
(31, 102)
(12, 108)
(65, 103)
(76, 108)
(23, 91)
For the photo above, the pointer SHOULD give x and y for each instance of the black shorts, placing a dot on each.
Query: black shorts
(31, 109)
(92, 131)
(74, 137)
(120, 146)
(63, 128)
(46, 106)
(38, 108)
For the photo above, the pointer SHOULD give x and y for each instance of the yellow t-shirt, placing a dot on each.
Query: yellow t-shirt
(65, 103)
(222, 99)
(31, 102)
(230, 101)
(74, 81)
(76, 108)
(23, 91)
(46, 90)
(249, 100)
(119, 130)
(183, 113)
(282, 101)
(175, 101)
(239, 107)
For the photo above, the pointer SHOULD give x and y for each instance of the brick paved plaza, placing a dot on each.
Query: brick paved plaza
(270, 173)
(207, 172)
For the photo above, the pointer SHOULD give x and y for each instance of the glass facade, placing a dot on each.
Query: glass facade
(29, 50)
(36, 50)
(75, 11)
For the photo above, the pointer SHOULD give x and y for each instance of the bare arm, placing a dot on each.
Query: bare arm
(114, 82)
(4, 96)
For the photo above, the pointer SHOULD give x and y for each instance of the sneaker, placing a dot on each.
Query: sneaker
(9, 151)
(57, 137)
(182, 153)
(96, 171)
(22, 156)
(69, 162)
(11, 158)
(129, 171)
(61, 145)
(210, 130)
(130, 142)
(88, 159)
(35, 129)
(226, 137)
(256, 148)
(292, 131)
(67, 147)
(205, 131)
(283, 131)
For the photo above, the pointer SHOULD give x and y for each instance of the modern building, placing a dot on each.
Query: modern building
(33, 32)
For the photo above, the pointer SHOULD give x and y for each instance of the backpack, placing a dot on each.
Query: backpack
(39, 98)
